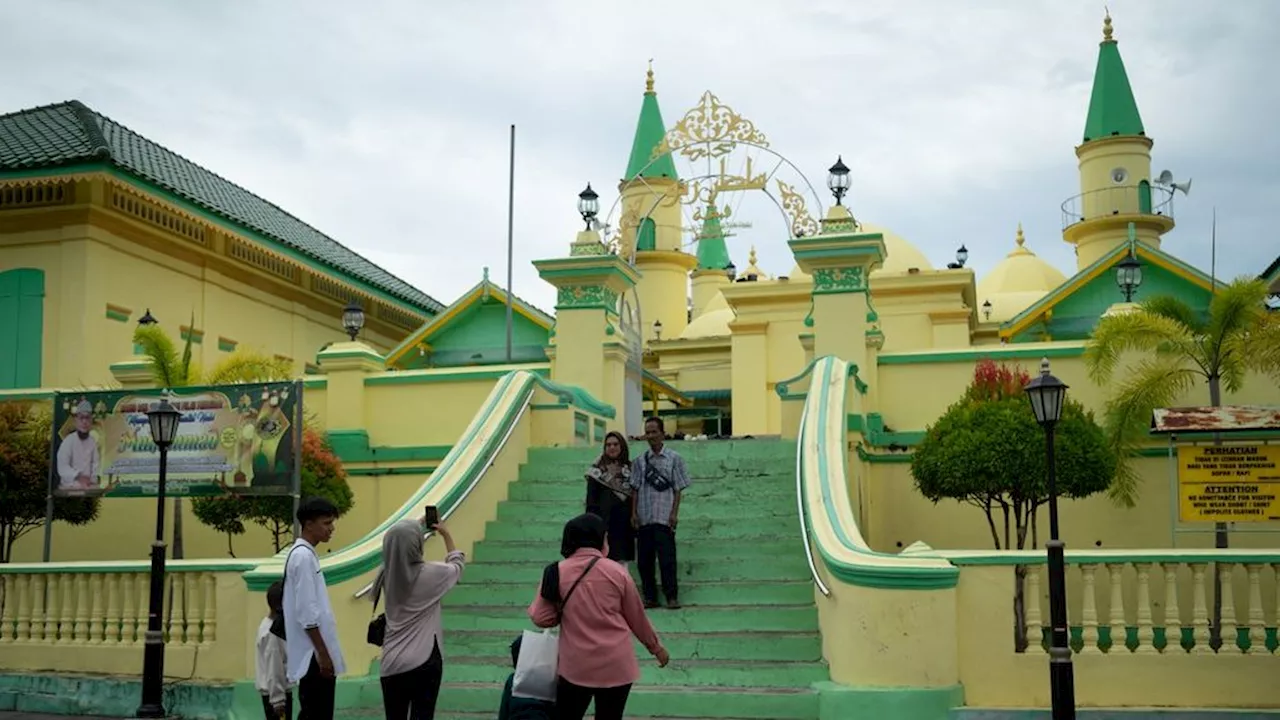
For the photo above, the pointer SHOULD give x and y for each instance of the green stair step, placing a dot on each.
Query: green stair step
(787, 567)
(711, 449)
(521, 511)
(693, 673)
(668, 701)
(692, 593)
(547, 532)
(702, 548)
(758, 646)
(729, 467)
(780, 490)
(689, 619)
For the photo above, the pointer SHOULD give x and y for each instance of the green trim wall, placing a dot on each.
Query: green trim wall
(21, 328)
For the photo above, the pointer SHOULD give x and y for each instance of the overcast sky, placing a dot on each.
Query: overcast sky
(385, 124)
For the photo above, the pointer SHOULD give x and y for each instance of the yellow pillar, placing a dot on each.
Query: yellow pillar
(345, 366)
(589, 346)
(841, 259)
(749, 376)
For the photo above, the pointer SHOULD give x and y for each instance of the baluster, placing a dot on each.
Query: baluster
(1119, 632)
(37, 607)
(96, 603)
(1230, 631)
(1199, 612)
(23, 632)
(6, 607)
(111, 629)
(1275, 568)
(66, 624)
(1031, 605)
(1257, 621)
(80, 631)
(1172, 618)
(208, 630)
(168, 598)
(129, 608)
(51, 609)
(142, 605)
(1089, 616)
(190, 609)
(1146, 631)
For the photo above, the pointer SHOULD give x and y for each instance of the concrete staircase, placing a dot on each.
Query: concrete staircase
(746, 642)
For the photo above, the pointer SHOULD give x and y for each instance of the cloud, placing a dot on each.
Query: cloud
(385, 124)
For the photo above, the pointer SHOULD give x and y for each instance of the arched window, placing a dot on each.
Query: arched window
(646, 235)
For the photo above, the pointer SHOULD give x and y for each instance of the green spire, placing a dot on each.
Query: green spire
(1112, 109)
(649, 132)
(712, 252)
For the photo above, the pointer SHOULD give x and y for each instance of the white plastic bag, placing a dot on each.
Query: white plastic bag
(536, 675)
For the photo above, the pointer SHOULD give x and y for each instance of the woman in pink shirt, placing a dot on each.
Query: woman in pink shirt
(597, 619)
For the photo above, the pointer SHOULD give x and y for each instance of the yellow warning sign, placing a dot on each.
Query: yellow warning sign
(1228, 483)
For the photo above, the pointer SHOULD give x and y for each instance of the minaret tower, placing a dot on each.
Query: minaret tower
(652, 223)
(712, 274)
(1115, 168)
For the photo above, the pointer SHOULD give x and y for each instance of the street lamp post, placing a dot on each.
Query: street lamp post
(1129, 276)
(164, 419)
(838, 180)
(1047, 394)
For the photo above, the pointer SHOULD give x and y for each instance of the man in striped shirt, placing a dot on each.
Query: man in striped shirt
(659, 478)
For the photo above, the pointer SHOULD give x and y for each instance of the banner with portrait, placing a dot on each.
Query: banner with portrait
(238, 438)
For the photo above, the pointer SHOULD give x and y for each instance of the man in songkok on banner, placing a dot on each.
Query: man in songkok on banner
(78, 458)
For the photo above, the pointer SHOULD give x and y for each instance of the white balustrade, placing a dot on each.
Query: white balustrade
(1243, 594)
(103, 608)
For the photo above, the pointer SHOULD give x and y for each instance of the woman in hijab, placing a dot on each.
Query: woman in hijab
(412, 663)
(598, 609)
(609, 496)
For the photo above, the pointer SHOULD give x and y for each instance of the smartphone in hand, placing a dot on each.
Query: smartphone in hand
(432, 516)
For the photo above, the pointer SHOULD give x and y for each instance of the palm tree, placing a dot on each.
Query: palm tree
(1180, 347)
(171, 370)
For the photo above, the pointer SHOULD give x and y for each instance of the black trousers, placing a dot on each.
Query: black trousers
(270, 712)
(657, 541)
(572, 701)
(412, 695)
(315, 694)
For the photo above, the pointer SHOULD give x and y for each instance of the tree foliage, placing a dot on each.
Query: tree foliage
(988, 451)
(26, 431)
(1177, 348)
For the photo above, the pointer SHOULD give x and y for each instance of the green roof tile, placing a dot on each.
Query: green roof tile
(70, 133)
(649, 133)
(1112, 109)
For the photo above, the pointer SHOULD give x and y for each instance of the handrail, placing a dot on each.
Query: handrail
(470, 486)
(804, 525)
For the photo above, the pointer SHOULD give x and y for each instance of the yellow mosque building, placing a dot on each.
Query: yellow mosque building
(821, 377)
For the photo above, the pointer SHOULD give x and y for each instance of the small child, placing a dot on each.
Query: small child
(273, 685)
(518, 708)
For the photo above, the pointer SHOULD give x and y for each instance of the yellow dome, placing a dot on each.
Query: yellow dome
(713, 322)
(900, 255)
(1016, 282)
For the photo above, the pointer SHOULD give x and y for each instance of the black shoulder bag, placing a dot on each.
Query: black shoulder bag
(574, 586)
(277, 625)
(377, 632)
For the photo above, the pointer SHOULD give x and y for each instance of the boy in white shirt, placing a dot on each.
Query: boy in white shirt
(312, 654)
(273, 685)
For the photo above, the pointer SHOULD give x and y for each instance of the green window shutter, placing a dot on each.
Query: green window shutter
(21, 327)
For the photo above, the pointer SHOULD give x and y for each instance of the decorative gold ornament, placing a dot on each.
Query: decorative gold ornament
(710, 129)
(802, 225)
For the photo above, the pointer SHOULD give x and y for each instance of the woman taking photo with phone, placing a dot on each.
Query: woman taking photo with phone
(412, 664)
(609, 496)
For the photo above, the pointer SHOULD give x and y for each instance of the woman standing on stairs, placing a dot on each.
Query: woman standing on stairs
(598, 609)
(412, 666)
(609, 496)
